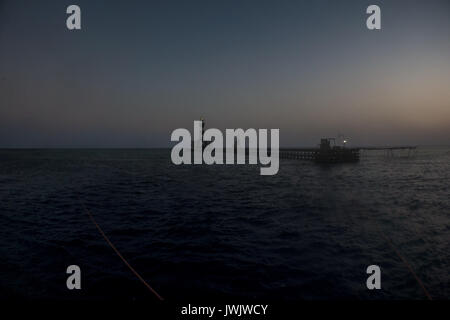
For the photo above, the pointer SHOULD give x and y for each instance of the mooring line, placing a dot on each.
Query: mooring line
(407, 265)
(119, 254)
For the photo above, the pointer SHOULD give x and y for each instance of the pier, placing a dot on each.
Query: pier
(328, 153)
(389, 151)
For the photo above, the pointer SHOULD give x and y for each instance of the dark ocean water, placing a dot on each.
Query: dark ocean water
(212, 232)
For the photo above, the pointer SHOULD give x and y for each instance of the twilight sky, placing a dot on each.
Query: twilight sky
(140, 69)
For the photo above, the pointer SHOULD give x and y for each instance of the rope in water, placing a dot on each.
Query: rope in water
(161, 298)
(120, 255)
(405, 262)
(407, 265)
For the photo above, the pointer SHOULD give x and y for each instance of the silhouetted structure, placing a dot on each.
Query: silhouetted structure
(328, 153)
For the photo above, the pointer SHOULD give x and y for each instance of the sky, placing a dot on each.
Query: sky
(137, 70)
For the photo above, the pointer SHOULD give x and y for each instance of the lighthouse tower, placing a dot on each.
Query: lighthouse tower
(204, 143)
(203, 126)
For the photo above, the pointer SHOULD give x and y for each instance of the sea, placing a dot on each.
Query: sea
(212, 233)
